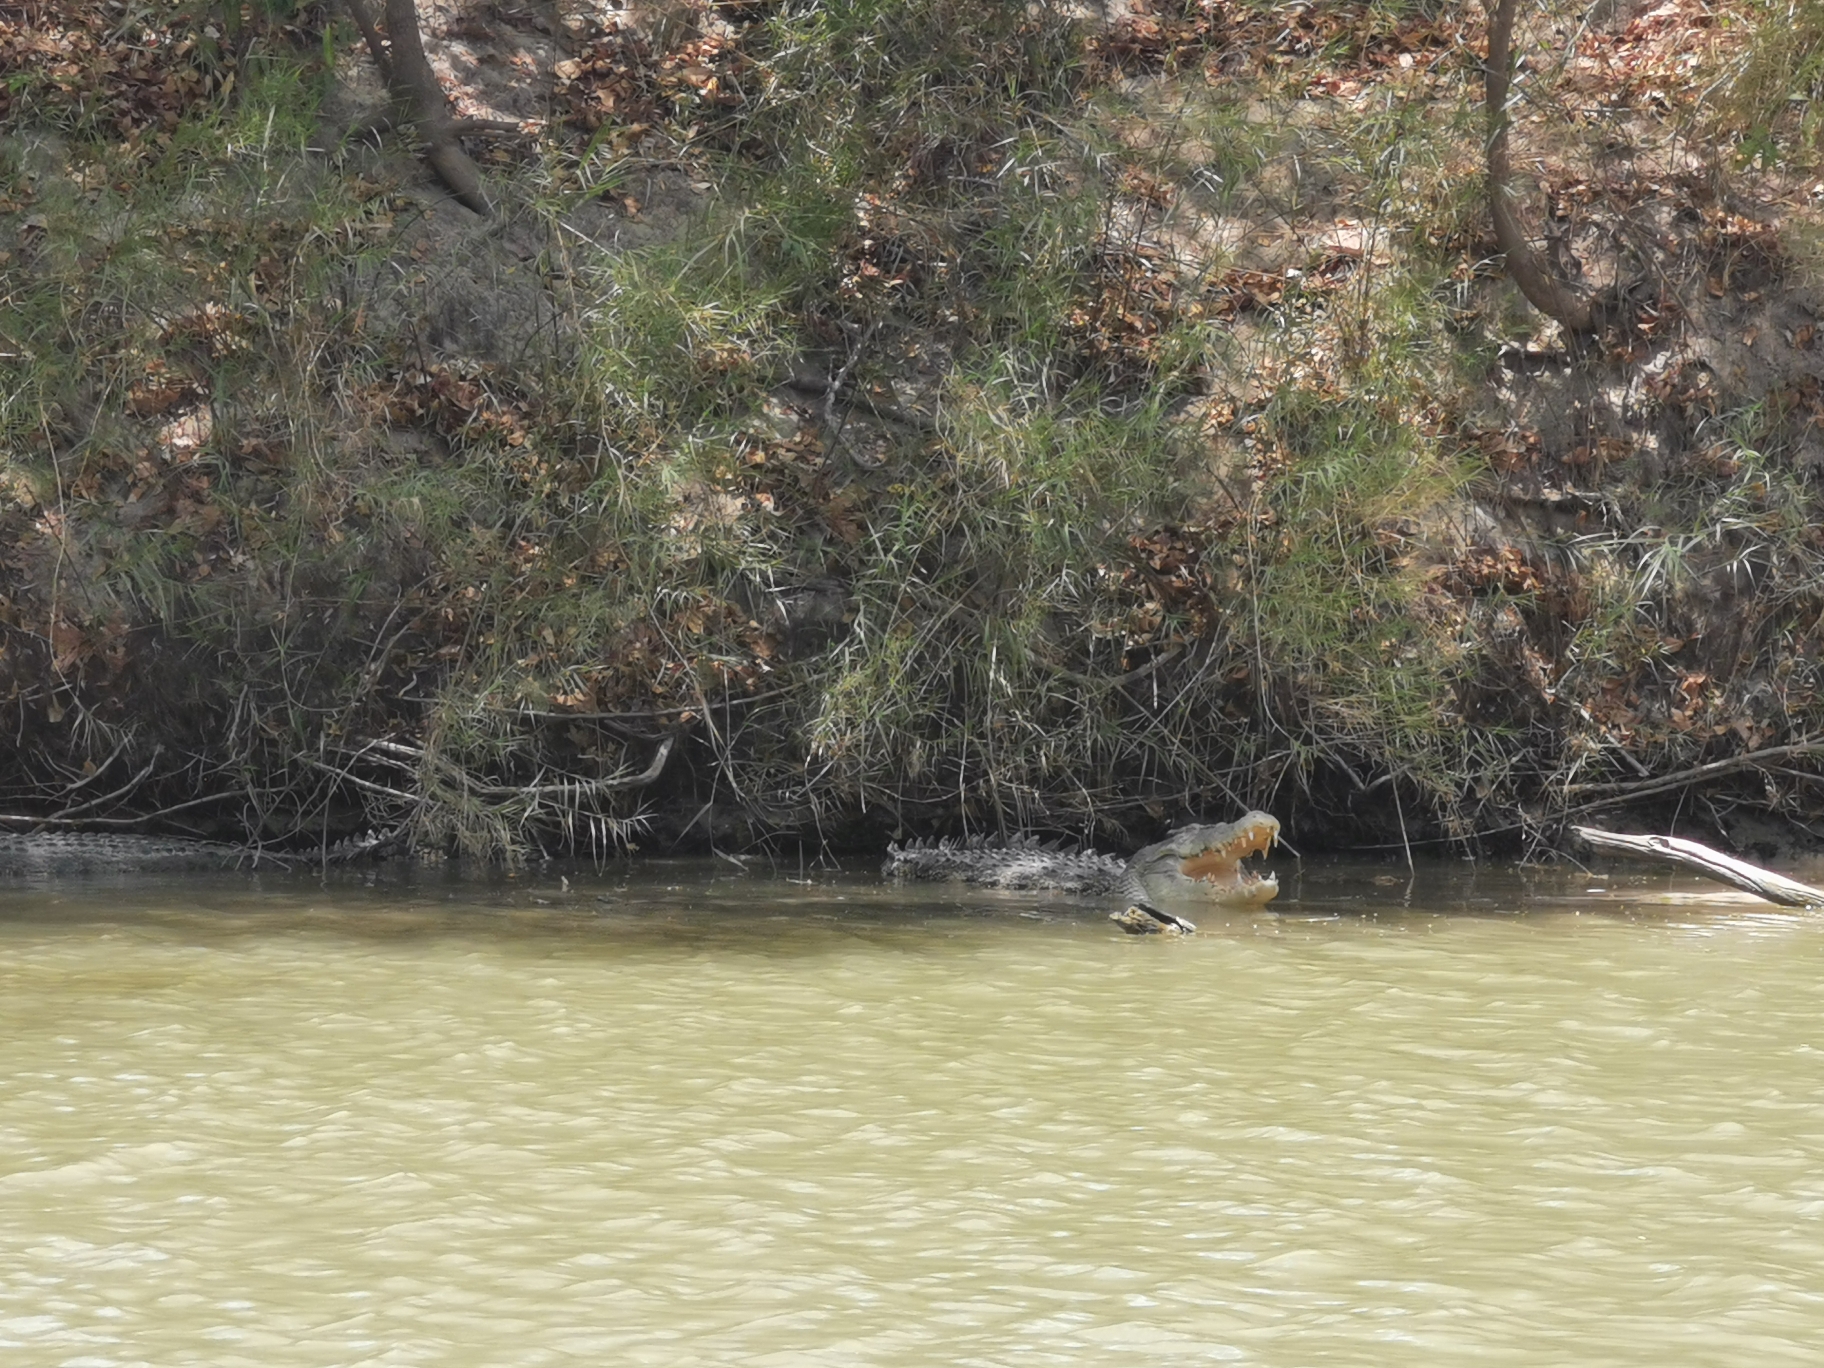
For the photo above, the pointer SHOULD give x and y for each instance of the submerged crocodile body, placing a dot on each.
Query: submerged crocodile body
(1193, 864)
(89, 852)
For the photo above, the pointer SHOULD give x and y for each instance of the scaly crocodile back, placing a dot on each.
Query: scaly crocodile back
(88, 852)
(1022, 862)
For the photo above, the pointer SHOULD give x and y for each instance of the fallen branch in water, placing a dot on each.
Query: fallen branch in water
(1776, 888)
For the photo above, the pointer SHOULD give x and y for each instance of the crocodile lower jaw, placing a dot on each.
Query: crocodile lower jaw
(1216, 873)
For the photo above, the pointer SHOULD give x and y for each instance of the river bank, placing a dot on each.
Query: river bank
(861, 420)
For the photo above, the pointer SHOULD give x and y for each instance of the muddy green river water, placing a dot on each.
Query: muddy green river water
(676, 1118)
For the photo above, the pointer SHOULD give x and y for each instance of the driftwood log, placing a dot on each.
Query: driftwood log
(1776, 888)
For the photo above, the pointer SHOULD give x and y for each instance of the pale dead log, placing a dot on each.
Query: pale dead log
(1764, 883)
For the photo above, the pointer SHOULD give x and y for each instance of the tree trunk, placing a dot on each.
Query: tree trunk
(408, 75)
(1541, 286)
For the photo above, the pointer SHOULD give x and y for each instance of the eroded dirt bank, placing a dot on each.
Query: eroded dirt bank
(867, 418)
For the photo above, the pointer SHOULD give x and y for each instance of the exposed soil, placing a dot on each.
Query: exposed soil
(1673, 456)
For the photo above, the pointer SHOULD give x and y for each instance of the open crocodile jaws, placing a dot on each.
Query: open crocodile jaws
(1206, 863)
(1195, 863)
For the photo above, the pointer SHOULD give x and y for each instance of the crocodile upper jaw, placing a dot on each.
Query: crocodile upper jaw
(1206, 862)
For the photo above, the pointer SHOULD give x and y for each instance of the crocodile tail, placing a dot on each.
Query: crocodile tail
(1019, 862)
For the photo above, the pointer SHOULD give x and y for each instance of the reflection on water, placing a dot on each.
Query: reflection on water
(692, 1120)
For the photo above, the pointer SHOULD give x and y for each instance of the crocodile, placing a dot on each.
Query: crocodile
(90, 852)
(1193, 863)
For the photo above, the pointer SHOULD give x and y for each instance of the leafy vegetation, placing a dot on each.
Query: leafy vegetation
(877, 415)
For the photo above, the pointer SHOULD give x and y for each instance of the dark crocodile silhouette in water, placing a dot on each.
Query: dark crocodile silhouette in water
(1193, 864)
(100, 852)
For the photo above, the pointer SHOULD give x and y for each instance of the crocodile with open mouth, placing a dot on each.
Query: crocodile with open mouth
(1194, 863)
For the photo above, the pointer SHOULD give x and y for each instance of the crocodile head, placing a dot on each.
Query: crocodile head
(1205, 863)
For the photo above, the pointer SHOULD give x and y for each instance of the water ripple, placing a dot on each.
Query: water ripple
(755, 1124)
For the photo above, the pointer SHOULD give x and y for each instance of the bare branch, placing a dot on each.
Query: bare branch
(583, 787)
(463, 128)
(100, 769)
(120, 792)
(1626, 791)
(368, 785)
(86, 822)
(698, 707)
(572, 789)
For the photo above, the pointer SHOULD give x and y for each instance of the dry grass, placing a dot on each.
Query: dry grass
(996, 422)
